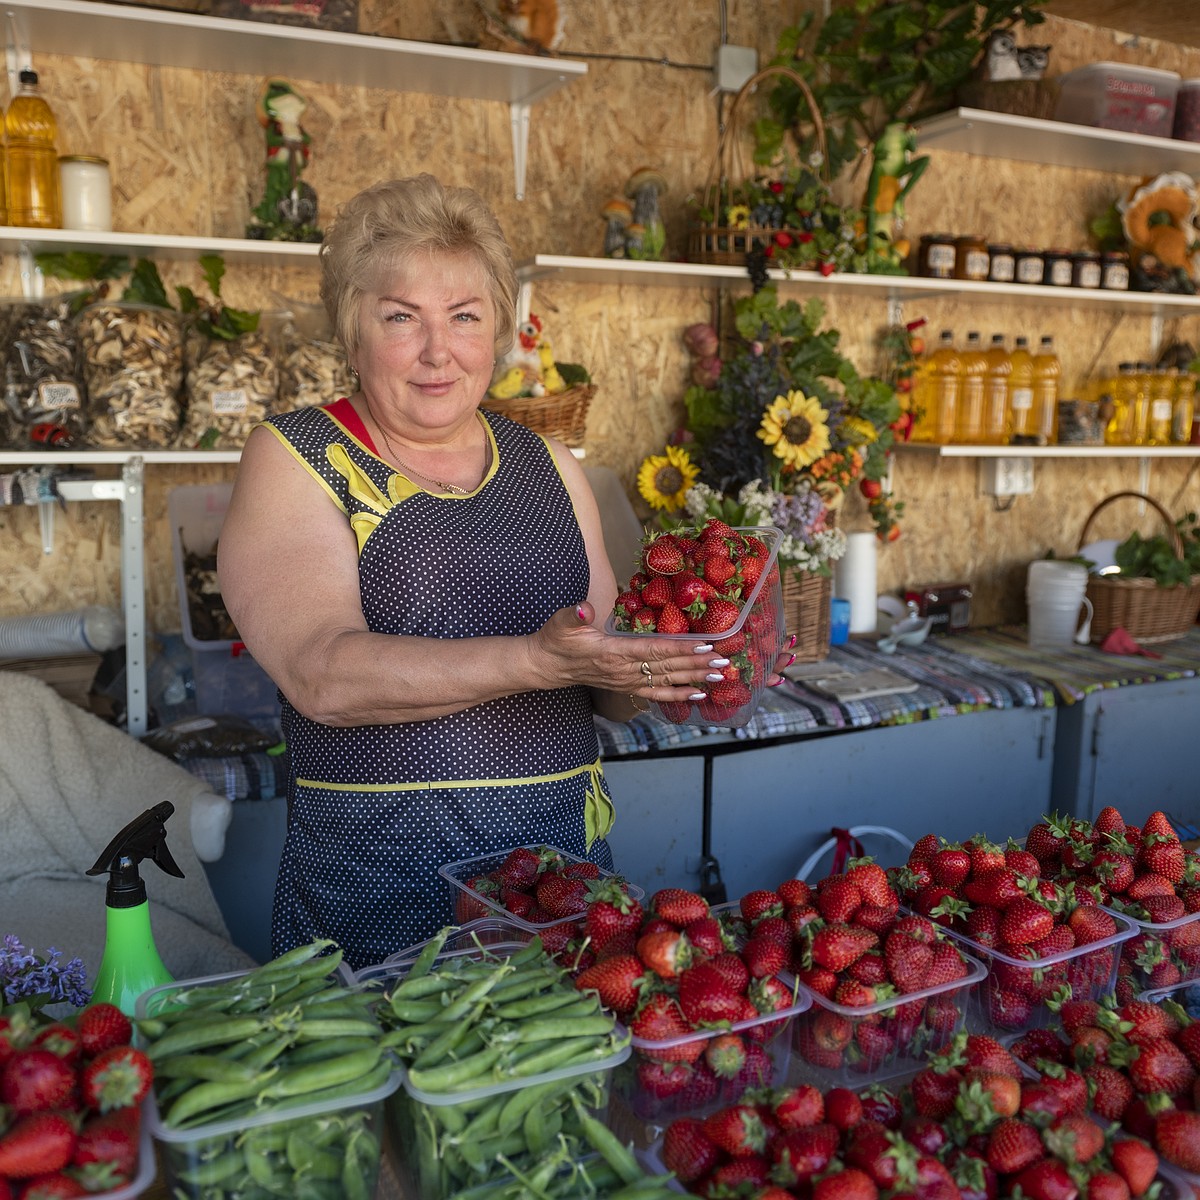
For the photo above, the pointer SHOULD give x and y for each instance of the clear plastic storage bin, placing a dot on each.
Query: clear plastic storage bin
(1171, 935)
(1111, 95)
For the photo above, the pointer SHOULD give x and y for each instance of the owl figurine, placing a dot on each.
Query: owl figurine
(1000, 60)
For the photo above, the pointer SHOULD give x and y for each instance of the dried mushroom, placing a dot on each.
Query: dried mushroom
(311, 371)
(131, 357)
(206, 609)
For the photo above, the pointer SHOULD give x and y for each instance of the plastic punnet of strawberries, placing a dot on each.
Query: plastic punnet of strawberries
(542, 888)
(1146, 874)
(70, 1096)
(1015, 908)
(1140, 1062)
(968, 1126)
(887, 986)
(702, 1001)
(719, 584)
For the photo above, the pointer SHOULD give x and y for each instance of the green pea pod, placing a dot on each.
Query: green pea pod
(373, 1079)
(447, 1042)
(211, 1067)
(203, 1097)
(184, 1039)
(312, 1077)
(606, 1143)
(454, 1075)
(424, 961)
(210, 1172)
(327, 1048)
(310, 1028)
(552, 1029)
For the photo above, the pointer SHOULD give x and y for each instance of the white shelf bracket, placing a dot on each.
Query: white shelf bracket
(129, 491)
(1157, 323)
(519, 117)
(895, 310)
(1143, 481)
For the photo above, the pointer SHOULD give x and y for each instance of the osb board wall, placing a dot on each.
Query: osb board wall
(186, 155)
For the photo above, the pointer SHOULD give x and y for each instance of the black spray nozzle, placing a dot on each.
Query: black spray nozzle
(144, 837)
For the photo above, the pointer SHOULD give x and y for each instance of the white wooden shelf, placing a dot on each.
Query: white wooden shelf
(890, 288)
(159, 37)
(1055, 143)
(245, 251)
(87, 458)
(1050, 451)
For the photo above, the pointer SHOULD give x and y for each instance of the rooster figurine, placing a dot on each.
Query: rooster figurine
(519, 372)
(527, 26)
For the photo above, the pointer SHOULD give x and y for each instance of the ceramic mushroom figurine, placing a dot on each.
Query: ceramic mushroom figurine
(617, 214)
(644, 187)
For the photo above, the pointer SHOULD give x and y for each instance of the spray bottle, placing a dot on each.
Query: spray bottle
(131, 964)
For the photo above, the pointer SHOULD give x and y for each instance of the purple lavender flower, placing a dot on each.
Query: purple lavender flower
(40, 981)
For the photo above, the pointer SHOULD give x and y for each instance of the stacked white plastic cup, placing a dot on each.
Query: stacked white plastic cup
(1059, 611)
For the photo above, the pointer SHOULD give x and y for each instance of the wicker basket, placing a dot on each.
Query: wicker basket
(562, 415)
(806, 604)
(719, 245)
(1147, 612)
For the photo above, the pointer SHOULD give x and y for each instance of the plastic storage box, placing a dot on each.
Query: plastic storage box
(147, 1165)
(227, 678)
(470, 904)
(1172, 936)
(1015, 993)
(426, 1128)
(1110, 95)
(278, 1151)
(838, 1045)
(761, 619)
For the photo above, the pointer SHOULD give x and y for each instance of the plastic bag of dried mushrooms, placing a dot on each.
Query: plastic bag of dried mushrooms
(312, 366)
(131, 358)
(40, 381)
(229, 387)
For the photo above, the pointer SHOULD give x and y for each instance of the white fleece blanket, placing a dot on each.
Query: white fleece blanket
(68, 783)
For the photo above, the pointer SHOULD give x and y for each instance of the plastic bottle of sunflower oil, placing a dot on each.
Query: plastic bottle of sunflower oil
(973, 366)
(1141, 403)
(1119, 430)
(995, 392)
(946, 374)
(924, 405)
(1184, 411)
(1047, 371)
(1163, 383)
(32, 161)
(1020, 393)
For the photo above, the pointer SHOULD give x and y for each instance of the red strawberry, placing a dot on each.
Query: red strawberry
(1160, 1066)
(611, 911)
(997, 888)
(616, 980)
(34, 1080)
(1025, 921)
(850, 1184)
(559, 896)
(719, 615)
(765, 956)
(1046, 1180)
(36, 1144)
(1110, 1090)
(835, 947)
(838, 899)
(760, 903)
(908, 961)
(872, 882)
(110, 1138)
(660, 1019)
(519, 869)
(1107, 1185)
(679, 906)
(671, 619)
(746, 1176)
(950, 865)
(1162, 855)
(117, 1078)
(656, 593)
(1148, 1021)
(675, 712)
(1109, 820)
(738, 1130)
(934, 1091)
(662, 555)
(468, 906)
(706, 937)
(1089, 923)
(732, 969)
(843, 1108)
(1177, 1136)
(55, 1186)
(797, 1105)
(688, 1150)
(794, 893)
(1013, 1145)
(802, 1153)
(706, 996)
(1137, 1163)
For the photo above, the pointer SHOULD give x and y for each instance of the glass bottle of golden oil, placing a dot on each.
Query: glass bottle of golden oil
(30, 132)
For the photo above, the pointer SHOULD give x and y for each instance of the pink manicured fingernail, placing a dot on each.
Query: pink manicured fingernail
(581, 613)
(791, 641)
(776, 683)
(791, 659)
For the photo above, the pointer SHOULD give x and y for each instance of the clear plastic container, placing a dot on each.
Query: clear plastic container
(1182, 931)
(761, 619)
(147, 1165)
(289, 1140)
(1112, 95)
(436, 1164)
(466, 938)
(883, 1040)
(470, 904)
(1015, 993)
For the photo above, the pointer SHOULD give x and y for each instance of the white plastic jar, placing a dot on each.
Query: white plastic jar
(86, 192)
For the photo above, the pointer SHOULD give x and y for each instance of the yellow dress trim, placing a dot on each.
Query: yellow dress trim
(599, 814)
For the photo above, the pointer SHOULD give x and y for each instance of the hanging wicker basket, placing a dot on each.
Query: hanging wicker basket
(562, 415)
(806, 604)
(1147, 612)
(717, 244)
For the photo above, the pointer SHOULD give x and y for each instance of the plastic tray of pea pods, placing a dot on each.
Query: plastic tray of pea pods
(499, 1102)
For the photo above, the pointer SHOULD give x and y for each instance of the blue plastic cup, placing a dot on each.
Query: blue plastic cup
(839, 621)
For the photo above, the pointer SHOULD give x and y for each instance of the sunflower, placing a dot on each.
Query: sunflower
(663, 479)
(795, 425)
(738, 216)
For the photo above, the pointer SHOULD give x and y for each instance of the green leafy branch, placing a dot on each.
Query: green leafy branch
(215, 319)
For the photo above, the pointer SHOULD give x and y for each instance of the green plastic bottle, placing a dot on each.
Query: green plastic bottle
(131, 964)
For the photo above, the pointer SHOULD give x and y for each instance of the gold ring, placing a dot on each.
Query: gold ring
(645, 670)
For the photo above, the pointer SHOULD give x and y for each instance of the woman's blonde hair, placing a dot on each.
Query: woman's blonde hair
(389, 222)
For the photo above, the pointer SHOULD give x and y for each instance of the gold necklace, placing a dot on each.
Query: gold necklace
(452, 488)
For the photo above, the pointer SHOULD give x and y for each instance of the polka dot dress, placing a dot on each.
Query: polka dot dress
(373, 811)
